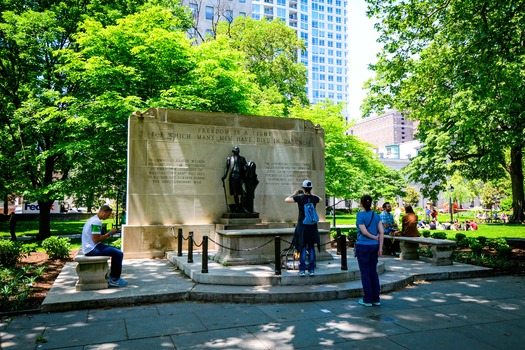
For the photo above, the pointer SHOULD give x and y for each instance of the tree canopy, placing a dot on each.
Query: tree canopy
(271, 50)
(37, 142)
(351, 167)
(457, 67)
(71, 76)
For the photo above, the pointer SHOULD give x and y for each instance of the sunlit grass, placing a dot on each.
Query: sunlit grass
(496, 230)
(58, 228)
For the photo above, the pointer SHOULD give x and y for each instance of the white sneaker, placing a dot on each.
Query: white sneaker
(311, 273)
(301, 274)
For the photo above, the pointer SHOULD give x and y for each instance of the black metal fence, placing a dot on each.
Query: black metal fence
(341, 249)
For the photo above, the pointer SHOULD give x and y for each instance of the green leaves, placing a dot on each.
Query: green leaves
(457, 68)
(270, 50)
(351, 168)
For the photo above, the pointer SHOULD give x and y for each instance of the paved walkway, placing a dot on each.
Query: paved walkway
(482, 313)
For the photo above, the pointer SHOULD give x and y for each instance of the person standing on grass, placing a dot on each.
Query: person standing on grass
(368, 248)
(92, 236)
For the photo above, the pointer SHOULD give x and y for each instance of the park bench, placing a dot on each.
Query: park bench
(92, 272)
(441, 248)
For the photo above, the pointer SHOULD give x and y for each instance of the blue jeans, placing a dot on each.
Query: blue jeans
(367, 259)
(302, 258)
(116, 258)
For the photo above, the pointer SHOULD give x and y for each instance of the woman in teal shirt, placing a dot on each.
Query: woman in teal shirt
(368, 248)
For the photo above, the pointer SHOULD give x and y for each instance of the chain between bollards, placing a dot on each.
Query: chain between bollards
(342, 242)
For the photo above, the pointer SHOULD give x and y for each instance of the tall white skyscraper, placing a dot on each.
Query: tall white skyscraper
(322, 24)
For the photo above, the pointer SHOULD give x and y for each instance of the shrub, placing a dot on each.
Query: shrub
(482, 240)
(10, 253)
(461, 240)
(57, 247)
(439, 235)
(117, 243)
(460, 236)
(352, 236)
(16, 285)
(475, 246)
(425, 251)
(494, 243)
(425, 233)
(504, 252)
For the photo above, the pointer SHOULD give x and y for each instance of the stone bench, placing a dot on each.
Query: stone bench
(92, 272)
(441, 248)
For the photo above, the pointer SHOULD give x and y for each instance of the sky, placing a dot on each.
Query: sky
(362, 51)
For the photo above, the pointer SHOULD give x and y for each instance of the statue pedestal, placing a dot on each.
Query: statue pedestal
(238, 221)
(257, 246)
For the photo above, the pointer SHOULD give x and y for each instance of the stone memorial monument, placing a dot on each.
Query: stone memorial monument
(176, 163)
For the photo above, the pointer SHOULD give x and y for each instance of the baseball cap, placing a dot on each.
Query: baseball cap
(307, 184)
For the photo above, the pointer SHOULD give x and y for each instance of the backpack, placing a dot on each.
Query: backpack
(310, 214)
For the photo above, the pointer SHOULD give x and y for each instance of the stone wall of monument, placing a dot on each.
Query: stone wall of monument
(176, 160)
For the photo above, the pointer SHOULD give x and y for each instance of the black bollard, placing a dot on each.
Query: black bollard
(344, 262)
(205, 254)
(179, 243)
(278, 255)
(190, 248)
(337, 235)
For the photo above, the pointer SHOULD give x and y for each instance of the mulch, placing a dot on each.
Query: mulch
(44, 283)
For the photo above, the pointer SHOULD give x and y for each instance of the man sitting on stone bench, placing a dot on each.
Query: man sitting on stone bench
(92, 236)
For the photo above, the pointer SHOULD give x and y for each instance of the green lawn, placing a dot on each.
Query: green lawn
(58, 228)
(30, 228)
(486, 230)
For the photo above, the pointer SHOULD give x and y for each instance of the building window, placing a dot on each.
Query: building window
(209, 12)
(229, 15)
(194, 9)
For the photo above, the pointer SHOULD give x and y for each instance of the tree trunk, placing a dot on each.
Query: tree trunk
(516, 177)
(12, 226)
(44, 228)
(6, 204)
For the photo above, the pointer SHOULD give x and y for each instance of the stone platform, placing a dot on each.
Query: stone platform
(158, 280)
(327, 271)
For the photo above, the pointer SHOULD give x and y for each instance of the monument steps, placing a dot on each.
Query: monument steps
(327, 272)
